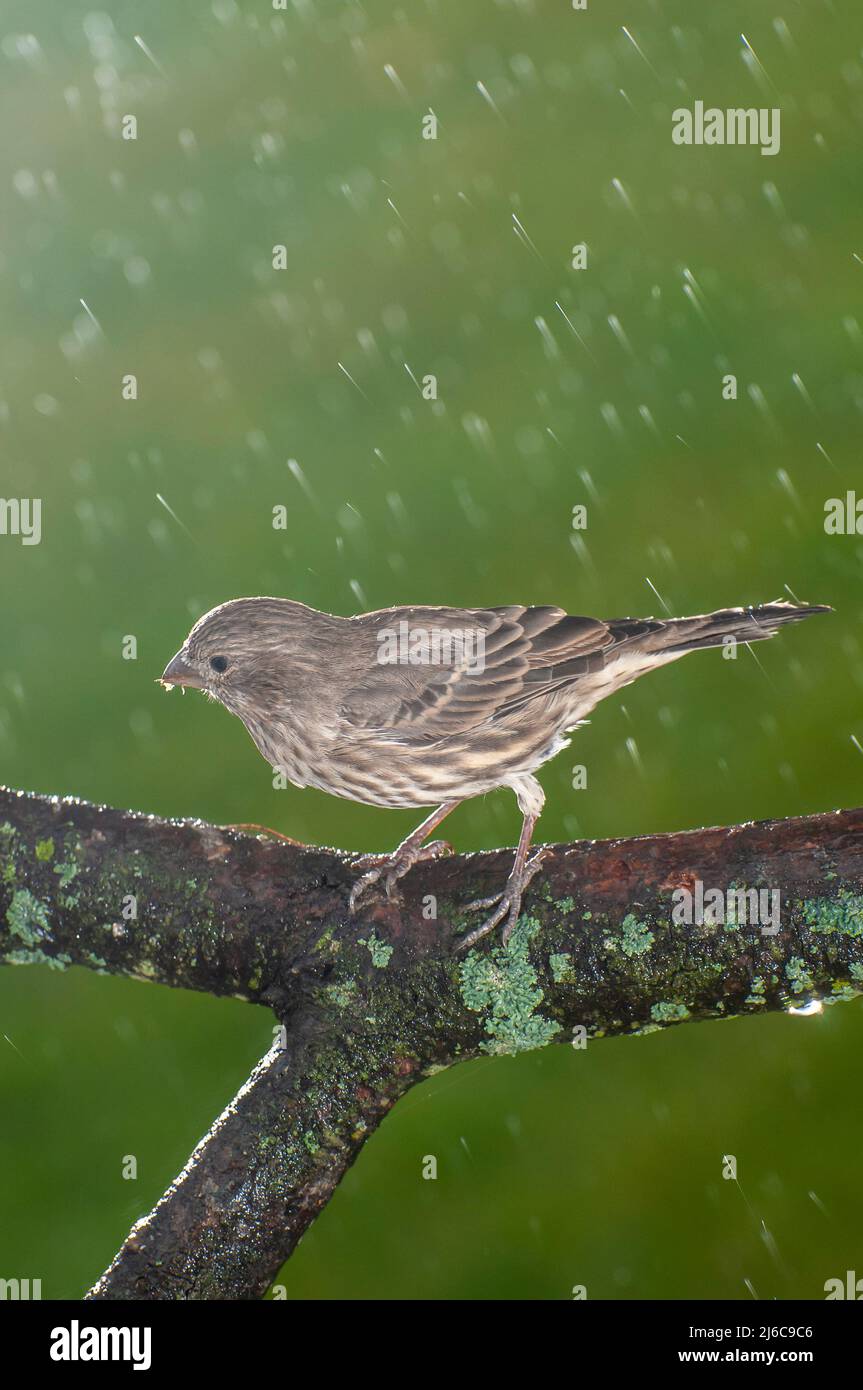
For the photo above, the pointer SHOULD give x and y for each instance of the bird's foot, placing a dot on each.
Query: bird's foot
(507, 905)
(392, 867)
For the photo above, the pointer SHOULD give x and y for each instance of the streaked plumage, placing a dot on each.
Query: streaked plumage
(322, 706)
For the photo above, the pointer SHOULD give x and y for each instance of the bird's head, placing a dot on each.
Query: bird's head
(247, 653)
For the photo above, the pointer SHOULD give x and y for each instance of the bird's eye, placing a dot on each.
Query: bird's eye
(219, 663)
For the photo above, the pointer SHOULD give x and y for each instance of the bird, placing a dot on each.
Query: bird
(428, 706)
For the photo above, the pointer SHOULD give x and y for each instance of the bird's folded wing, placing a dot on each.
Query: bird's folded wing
(522, 654)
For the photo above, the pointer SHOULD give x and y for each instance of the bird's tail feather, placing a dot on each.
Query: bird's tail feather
(743, 624)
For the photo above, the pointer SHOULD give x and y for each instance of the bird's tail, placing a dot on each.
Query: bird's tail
(679, 635)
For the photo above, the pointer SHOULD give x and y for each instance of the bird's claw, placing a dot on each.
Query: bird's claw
(507, 905)
(360, 887)
(392, 867)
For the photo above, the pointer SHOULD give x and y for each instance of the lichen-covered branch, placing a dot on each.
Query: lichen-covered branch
(370, 1006)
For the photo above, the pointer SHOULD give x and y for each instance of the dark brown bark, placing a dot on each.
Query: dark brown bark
(370, 1006)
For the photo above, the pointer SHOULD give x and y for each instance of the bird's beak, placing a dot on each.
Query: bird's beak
(179, 672)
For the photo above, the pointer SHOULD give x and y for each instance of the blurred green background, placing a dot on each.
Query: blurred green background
(297, 387)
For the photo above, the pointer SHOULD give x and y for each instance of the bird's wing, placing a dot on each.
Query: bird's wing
(526, 653)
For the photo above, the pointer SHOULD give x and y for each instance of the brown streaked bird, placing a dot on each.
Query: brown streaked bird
(430, 706)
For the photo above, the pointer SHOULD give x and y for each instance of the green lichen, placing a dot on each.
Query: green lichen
(561, 969)
(342, 993)
(843, 914)
(856, 970)
(45, 850)
(502, 984)
(27, 917)
(37, 957)
(637, 936)
(840, 994)
(380, 951)
(566, 904)
(325, 939)
(67, 871)
(666, 1012)
(798, 976)
(311, 1142)
(8, 835)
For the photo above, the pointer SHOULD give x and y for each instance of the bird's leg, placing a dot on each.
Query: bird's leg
(392, 867)
(507, 905)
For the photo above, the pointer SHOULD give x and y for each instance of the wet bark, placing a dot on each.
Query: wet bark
(371, 1005)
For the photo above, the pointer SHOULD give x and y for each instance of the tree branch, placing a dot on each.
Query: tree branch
(370, 1006)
